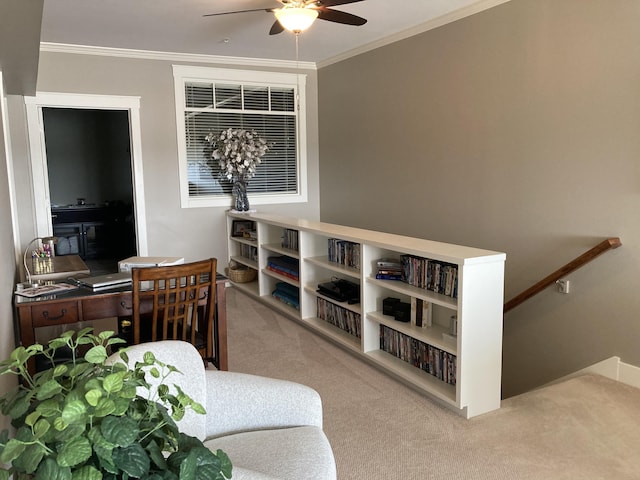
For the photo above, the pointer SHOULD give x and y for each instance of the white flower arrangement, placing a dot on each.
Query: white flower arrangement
(238, 151)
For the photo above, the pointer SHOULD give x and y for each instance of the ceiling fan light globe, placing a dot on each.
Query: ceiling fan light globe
(296, 19)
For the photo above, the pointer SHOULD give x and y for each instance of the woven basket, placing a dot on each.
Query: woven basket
(240, 274)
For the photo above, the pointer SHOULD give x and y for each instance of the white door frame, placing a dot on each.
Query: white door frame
(39, 172)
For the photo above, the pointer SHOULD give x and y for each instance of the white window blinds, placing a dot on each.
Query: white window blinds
(269, 110)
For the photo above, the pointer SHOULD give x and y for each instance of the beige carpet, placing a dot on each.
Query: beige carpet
(584, 428)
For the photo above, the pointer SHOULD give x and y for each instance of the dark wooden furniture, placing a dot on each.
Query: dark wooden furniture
(94, 231)
(83, 304)
(175, 303)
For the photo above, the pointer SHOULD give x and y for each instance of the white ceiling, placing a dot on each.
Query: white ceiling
(178, 26)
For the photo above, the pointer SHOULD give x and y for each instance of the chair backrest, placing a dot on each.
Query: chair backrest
(175, 302)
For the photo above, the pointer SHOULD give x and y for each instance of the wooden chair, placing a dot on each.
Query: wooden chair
(176, 302)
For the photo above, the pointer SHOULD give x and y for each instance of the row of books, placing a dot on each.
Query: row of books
(340, 317)
(437, 362)
(249, 251)
(389, 269)
(421, 313)
(287, 294)
(434, 275)
(290, 239)
(285, 266)
(344, 252)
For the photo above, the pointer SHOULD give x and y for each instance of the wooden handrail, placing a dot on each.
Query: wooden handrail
(586, 257)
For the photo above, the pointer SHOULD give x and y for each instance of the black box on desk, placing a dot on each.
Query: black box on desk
(389, 306)
(402, 312)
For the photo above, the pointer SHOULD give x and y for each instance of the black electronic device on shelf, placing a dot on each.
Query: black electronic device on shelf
(341, 290)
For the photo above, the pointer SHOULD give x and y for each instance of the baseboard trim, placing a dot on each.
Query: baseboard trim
(612, 368)
(629, 374)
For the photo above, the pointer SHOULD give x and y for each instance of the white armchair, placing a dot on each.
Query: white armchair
(270, 429)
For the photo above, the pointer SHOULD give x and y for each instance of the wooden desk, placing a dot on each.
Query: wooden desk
(57, 268)
(83, 304)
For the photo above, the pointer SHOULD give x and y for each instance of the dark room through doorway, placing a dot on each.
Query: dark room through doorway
(90, 179)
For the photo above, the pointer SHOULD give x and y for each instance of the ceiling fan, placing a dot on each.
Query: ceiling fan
(298, 15)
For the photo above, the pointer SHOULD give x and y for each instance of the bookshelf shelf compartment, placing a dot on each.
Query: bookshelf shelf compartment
(245, 241)
(278, 305)
(478, 304)
(250, 288)
(334, 267)
(244, 261)
(411, 291)
(280, 278)
(275, 248)
(416, 377)
(431, 335)
(334, 333)
(334, 314)
(351, 307)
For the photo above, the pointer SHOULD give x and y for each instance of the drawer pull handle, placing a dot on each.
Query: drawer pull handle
(45, 314)
(124, 305)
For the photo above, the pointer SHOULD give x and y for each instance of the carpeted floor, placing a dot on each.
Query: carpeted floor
(585, 428)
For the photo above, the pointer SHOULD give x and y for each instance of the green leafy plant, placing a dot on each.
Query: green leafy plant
(84, 419)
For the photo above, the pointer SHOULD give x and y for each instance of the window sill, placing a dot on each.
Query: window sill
(227, 200)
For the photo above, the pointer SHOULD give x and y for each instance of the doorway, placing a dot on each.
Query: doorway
(90, 184)
(87, 176)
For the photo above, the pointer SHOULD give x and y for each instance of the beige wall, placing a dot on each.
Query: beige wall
(7, 257)
(194, 233)
(516, 129)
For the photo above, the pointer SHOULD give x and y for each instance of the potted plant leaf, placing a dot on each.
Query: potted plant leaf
(86, 419)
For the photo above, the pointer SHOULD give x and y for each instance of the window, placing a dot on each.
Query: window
(212, 99)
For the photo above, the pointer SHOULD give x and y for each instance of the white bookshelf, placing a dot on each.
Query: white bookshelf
(475, 353)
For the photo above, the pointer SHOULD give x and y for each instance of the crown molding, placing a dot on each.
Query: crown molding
(174, 57)
(430, 25)
(271, 63)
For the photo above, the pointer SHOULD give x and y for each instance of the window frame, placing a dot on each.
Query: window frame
(183, 74)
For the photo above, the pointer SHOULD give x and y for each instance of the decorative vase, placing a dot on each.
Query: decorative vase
(241, 201)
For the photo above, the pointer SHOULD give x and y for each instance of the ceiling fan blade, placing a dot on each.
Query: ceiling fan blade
(337, 16)
(334, 3)
(239, 11)
(276, 28)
